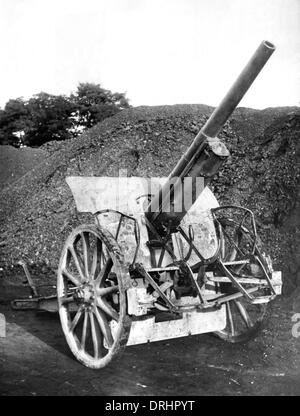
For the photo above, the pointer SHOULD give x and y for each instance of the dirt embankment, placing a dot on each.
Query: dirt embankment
(14, 163)
(37, 211)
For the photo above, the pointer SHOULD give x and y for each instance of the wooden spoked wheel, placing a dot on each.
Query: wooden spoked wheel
(91, 296)
(243, 319)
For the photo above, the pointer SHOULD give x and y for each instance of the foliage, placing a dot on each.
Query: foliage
(50, 119)
(45, 117)
(13, 120)
(94, 104)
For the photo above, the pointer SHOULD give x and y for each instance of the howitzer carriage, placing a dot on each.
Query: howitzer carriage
(163, 259)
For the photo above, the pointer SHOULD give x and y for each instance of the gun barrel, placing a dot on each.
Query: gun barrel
(194, 162)
(228, 104)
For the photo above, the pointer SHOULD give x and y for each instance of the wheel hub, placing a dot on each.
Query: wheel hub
(85, 294)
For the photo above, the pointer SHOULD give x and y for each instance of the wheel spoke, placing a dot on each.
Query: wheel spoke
(222, 247)
(229, 315)
(76, 260)
(103, 255)
(94, 336)
(86, 251)
(109, 310)
(76, 319)
(66, 299)
(104, 271)
(70, 276)
(84, 329)
(97, 250)
(244, 314)
(104, 291)
(105, 328)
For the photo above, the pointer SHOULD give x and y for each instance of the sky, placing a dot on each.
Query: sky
(157, 51)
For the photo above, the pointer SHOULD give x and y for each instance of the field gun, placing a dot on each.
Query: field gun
(163, 259)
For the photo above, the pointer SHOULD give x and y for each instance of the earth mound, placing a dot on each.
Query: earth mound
(14, 162)
(37, 211)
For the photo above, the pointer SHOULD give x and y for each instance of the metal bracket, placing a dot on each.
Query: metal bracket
(140, 269)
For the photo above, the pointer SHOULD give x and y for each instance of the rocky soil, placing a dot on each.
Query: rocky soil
(14, 163)
(37, 210)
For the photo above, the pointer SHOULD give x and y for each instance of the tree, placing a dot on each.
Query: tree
(50, 117)
(95, 103)
(45, 117)
(13, 119)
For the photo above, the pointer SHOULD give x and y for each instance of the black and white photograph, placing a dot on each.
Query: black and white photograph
(149, 200)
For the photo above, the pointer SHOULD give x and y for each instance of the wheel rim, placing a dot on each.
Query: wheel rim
(91, 299)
